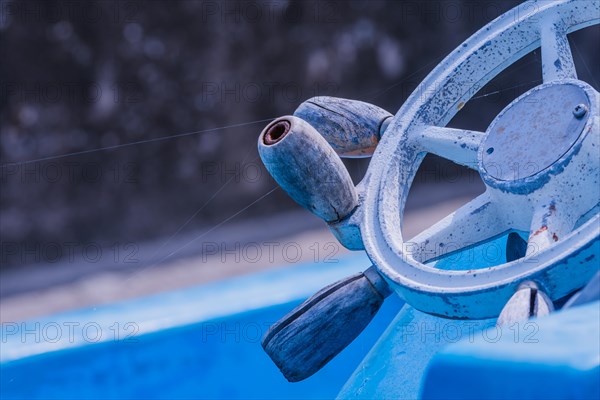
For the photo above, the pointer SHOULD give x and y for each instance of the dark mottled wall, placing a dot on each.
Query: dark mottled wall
(79, 75)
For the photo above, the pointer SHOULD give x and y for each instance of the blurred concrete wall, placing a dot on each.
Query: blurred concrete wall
(80, 75)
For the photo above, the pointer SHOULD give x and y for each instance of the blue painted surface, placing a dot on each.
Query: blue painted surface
(476, 360)
(481, 255)
(202, 342)
(555, 357)
(394, 368)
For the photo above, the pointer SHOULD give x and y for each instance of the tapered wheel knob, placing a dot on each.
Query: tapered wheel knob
(310, 335)
(353, 128)
(307, 168)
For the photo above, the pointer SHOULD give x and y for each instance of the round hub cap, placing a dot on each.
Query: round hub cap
(534, 132)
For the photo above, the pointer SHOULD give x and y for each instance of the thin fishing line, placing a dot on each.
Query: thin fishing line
(206, 232)
(229, 180)
(505, 89)
(214, 195)
(585, 64)
(118, 146)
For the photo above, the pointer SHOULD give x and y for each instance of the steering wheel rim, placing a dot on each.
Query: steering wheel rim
(481, 293)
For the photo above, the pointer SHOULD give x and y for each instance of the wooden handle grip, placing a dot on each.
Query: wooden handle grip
(353, 128)
(309, 336)
(307, 168)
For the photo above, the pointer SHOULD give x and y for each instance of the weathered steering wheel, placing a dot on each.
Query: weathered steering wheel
(539, 160)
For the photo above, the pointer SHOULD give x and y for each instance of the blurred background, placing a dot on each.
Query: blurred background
(128, 132)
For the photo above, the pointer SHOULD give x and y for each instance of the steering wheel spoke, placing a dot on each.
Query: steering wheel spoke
(549, 224)
(457, 145)
(555, 215)
(474, 222)
(557, 58)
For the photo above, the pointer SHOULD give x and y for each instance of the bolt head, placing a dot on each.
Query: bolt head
(580, 110)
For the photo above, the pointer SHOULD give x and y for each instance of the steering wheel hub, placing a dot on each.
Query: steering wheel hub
(533, 133)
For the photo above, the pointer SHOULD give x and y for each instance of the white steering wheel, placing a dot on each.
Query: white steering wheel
(539, 160)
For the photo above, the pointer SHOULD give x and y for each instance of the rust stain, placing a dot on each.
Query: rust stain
(460, 105)
(554, 237)
(542, 229)
(367, 151)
